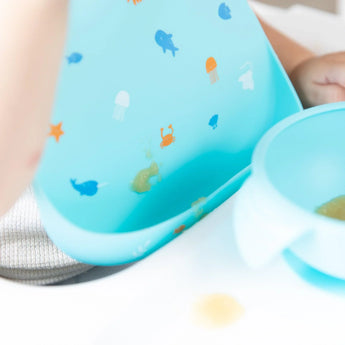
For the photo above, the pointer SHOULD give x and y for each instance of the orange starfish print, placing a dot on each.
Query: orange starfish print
(135, 1)
(56, 131)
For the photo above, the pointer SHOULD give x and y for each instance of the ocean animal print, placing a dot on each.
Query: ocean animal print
(122, 101)
(214, 121)
(211, 69)
(167, 139)
(135, 1)
(247, 77)
(74, 58)
(56, 131)
(88, 188)
(164, 40)
(224, 11)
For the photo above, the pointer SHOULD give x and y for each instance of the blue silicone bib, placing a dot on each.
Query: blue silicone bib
(159, 107)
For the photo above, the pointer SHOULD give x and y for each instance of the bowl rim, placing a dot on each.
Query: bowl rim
(260, 154)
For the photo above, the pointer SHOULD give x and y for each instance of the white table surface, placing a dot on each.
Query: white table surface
(152, 301)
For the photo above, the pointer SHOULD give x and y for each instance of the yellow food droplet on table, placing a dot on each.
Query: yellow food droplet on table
(334, 208)
(218, 310)
(141, 183)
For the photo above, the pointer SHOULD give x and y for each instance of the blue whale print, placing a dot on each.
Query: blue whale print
(74, 58)
(164, 40)
(89, 188)
(224, 11)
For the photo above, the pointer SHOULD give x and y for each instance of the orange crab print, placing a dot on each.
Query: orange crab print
(168, 139)
(135, 1)
(180, 229)
(56, 131)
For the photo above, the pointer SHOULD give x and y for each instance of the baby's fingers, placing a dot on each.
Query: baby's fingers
(330, 93)
(335, 73)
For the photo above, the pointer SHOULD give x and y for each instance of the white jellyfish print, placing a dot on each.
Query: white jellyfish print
(247, 77)
(122, 101)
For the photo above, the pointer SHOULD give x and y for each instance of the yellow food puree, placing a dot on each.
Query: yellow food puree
(334, 208)
(141, 182)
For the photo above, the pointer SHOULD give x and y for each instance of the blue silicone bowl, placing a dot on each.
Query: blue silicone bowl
(298, 166)
(159, 107)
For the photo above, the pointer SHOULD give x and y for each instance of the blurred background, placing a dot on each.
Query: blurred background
(334, 6)
(317, 24)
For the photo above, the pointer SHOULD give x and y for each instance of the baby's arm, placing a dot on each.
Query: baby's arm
(290, 53)
(317, 79)
(32, 34)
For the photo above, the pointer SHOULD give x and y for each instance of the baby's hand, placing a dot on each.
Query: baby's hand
(320, 79)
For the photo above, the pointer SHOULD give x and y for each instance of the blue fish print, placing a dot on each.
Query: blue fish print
(214, 121)
(224, 11)
(89, 188)
(164, 40)
(74, 58)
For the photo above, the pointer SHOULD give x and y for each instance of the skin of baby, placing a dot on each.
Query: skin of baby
(317, 79)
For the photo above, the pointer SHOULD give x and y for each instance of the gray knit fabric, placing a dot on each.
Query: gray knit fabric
(26, 253)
